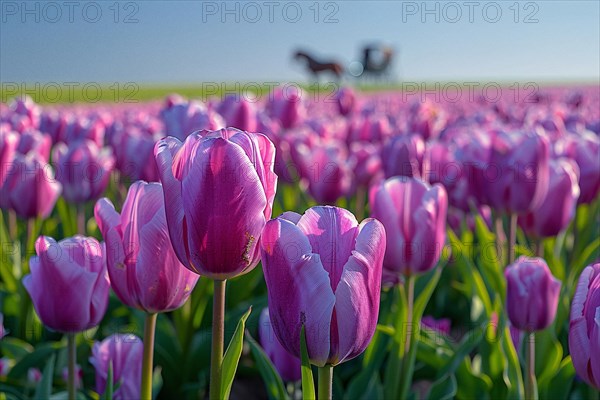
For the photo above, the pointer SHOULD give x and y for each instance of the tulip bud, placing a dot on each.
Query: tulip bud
(323, 271)
(68, 283)
(584, 326)
(125, 354)
(403, 156)
(142, 265)
(531, 294)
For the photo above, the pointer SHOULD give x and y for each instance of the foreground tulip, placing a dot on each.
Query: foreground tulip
(219, 188)
(584, 327)
(287, 365)
(323, 272)
(531, 301)
(414, 216)
(558, 208)
(69, 288)
(124, 353)
(142, 264)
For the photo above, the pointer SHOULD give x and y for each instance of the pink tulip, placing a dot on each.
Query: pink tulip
(584, 327)
(520, 162)
(125, 354)
(323, 271)
(219, 188)
(8, 145)
(142, 265)
(287, 365)
(585, 150)
(345, 100)
(239, 113)
(182, 117)
(83, 169)
(29, 188)
(68, 283)
(403, 155)
(35, 142)
(531, 294)
(414, 216)
(286, 105)
(558, 208)
(441, 325)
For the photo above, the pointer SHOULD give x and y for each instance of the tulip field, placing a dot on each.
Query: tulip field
(300, 245)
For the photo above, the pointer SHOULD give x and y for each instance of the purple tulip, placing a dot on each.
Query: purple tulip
(182, 117)
(5, 366)
(29, 188)
(414, 216)
(345, 99)
(68, 283)
(522, 173)
(403, 155)
(286, 364)
(3, 331)
(34, 376)
(219, 188)
(323, 168)
(83, 169)
(585, 150)
(372, 128)
(584, 327)
(366, 159)
(125, 354)
(531, 294)
(558, 208)
(286, 105)
(323, 271)
(8, 146)
(441, 325)
(239, 113)
(142, 265)
(35, 142)
(64, 374)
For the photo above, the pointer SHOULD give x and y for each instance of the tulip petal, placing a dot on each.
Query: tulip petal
(357, 294)
(163, 153)
(106, 215)
(331, 232)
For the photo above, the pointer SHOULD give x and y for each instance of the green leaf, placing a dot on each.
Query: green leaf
(34, 359)
(559, 386)
(273, 382)
(109, 390)
(44, 388)
(232, 356)
(444, 388)
(15, 348)
(308, 382)
(468, 343)
(548, 352)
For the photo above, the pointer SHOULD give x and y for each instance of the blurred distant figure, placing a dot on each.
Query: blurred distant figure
(317, 67)
(377, 61)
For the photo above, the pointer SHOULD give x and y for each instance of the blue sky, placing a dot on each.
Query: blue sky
(192, 42)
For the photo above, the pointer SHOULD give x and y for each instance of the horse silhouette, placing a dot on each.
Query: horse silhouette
(317, 67)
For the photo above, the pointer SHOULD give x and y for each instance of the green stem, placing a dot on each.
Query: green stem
(500, 237)
(540, 248)
(148, 357)
(12, 225)
(512, 237)
(408, 359)
(72, 360)
(361, 195)
(531, 392)
(80, 219)
(325, 382)
(218, 338)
